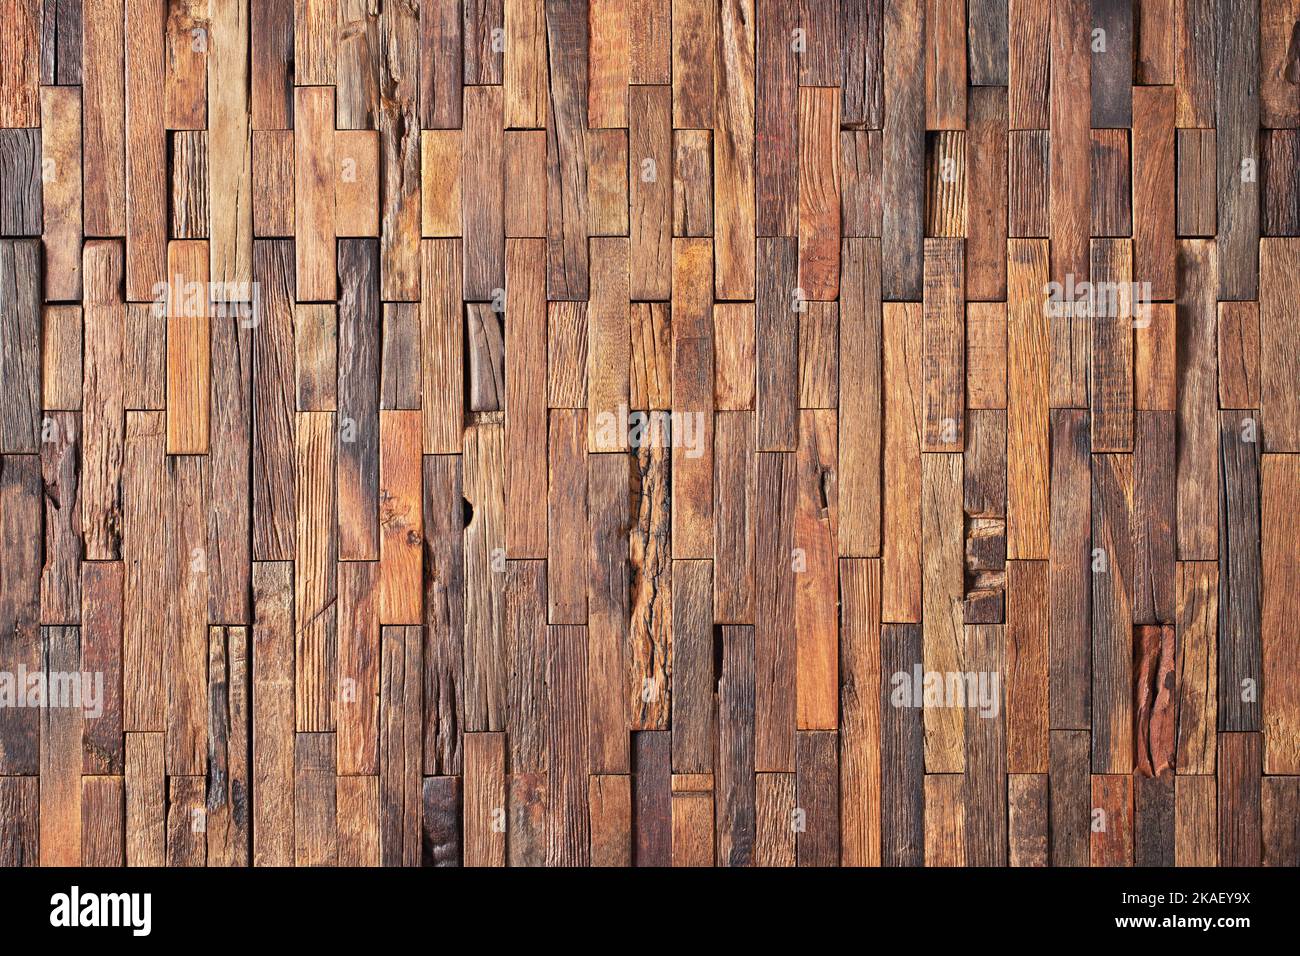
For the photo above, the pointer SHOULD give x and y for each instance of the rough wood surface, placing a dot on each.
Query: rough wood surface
(651, 432)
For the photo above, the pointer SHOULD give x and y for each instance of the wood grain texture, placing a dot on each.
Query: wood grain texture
(632, 432)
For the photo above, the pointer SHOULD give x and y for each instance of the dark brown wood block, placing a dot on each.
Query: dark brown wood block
(1196, 182)
(1239, 775)
(903, 227)
(1111, 33)
(1070, 573)
(735, 799)
(1236, 121)
(902, 817)
(1240, 581)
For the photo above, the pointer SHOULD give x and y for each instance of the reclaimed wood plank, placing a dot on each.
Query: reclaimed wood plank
(900, 587)
(735, 781)
(1197, 475)
(1196, 632)
(1278, 360)
(1279, 478)
(860, 717)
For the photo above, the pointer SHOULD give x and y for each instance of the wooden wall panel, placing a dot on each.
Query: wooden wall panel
(567, 432)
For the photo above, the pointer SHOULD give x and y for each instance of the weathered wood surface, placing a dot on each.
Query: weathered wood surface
(567, 432)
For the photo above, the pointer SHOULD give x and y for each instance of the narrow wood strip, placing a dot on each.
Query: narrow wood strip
(735, 805)
(1240, 580)
(273, 180)
(315, 819)
(1197, 653)
(1236, 121)
(1279, 798)
(944, 346)
(652, 793)
(902, 231)
(651, 644)
(1070, 805)
(860, 400)
(819, 193)
(357, 815)
(441, 74)
(524, 72)
(775, 812)
(315, 582)
(774, 599)
(1069, 573)
(1195, 822)
(440, 822)
(20, 362)
(777, 304)
(862, 64)
(566, 181)
(816, 587)
(1112, 617)
(104, 109)
(1027, 183)
(1278, 363)
(608, 606)
(525, 626)
(817, 795)
(146, 800)
(273, 714)
(1198, 476)
(485, 647)
(103, 819)
(226, 815)
(1069, 200)
(485, 796)
(1027, 801)
(1027, 668)
(692, 400)
(229, 136)
(902, 819)
(986, 186)
(943, 586)
(103, 389)
(482, 194)
(1111, 842)
(273, 404)
(1112, 191)
(575, 838)
(61, 165)
(1112, 64)
(1153, 821)
(147, 593)
(1154, 190)
(400, 518)
(230, 430)
(1154, 508)
(1240, 838)
(693, 183)
(860, 721)
(1279, 478)
(945, 64)
(900, 585)
(356, 182)
(358, 400)
(357, 711)
(60, 756)
(526, 798)
(314, 172)
(444, 614)
(1110, 333)
(945, 819)
(271, 38)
